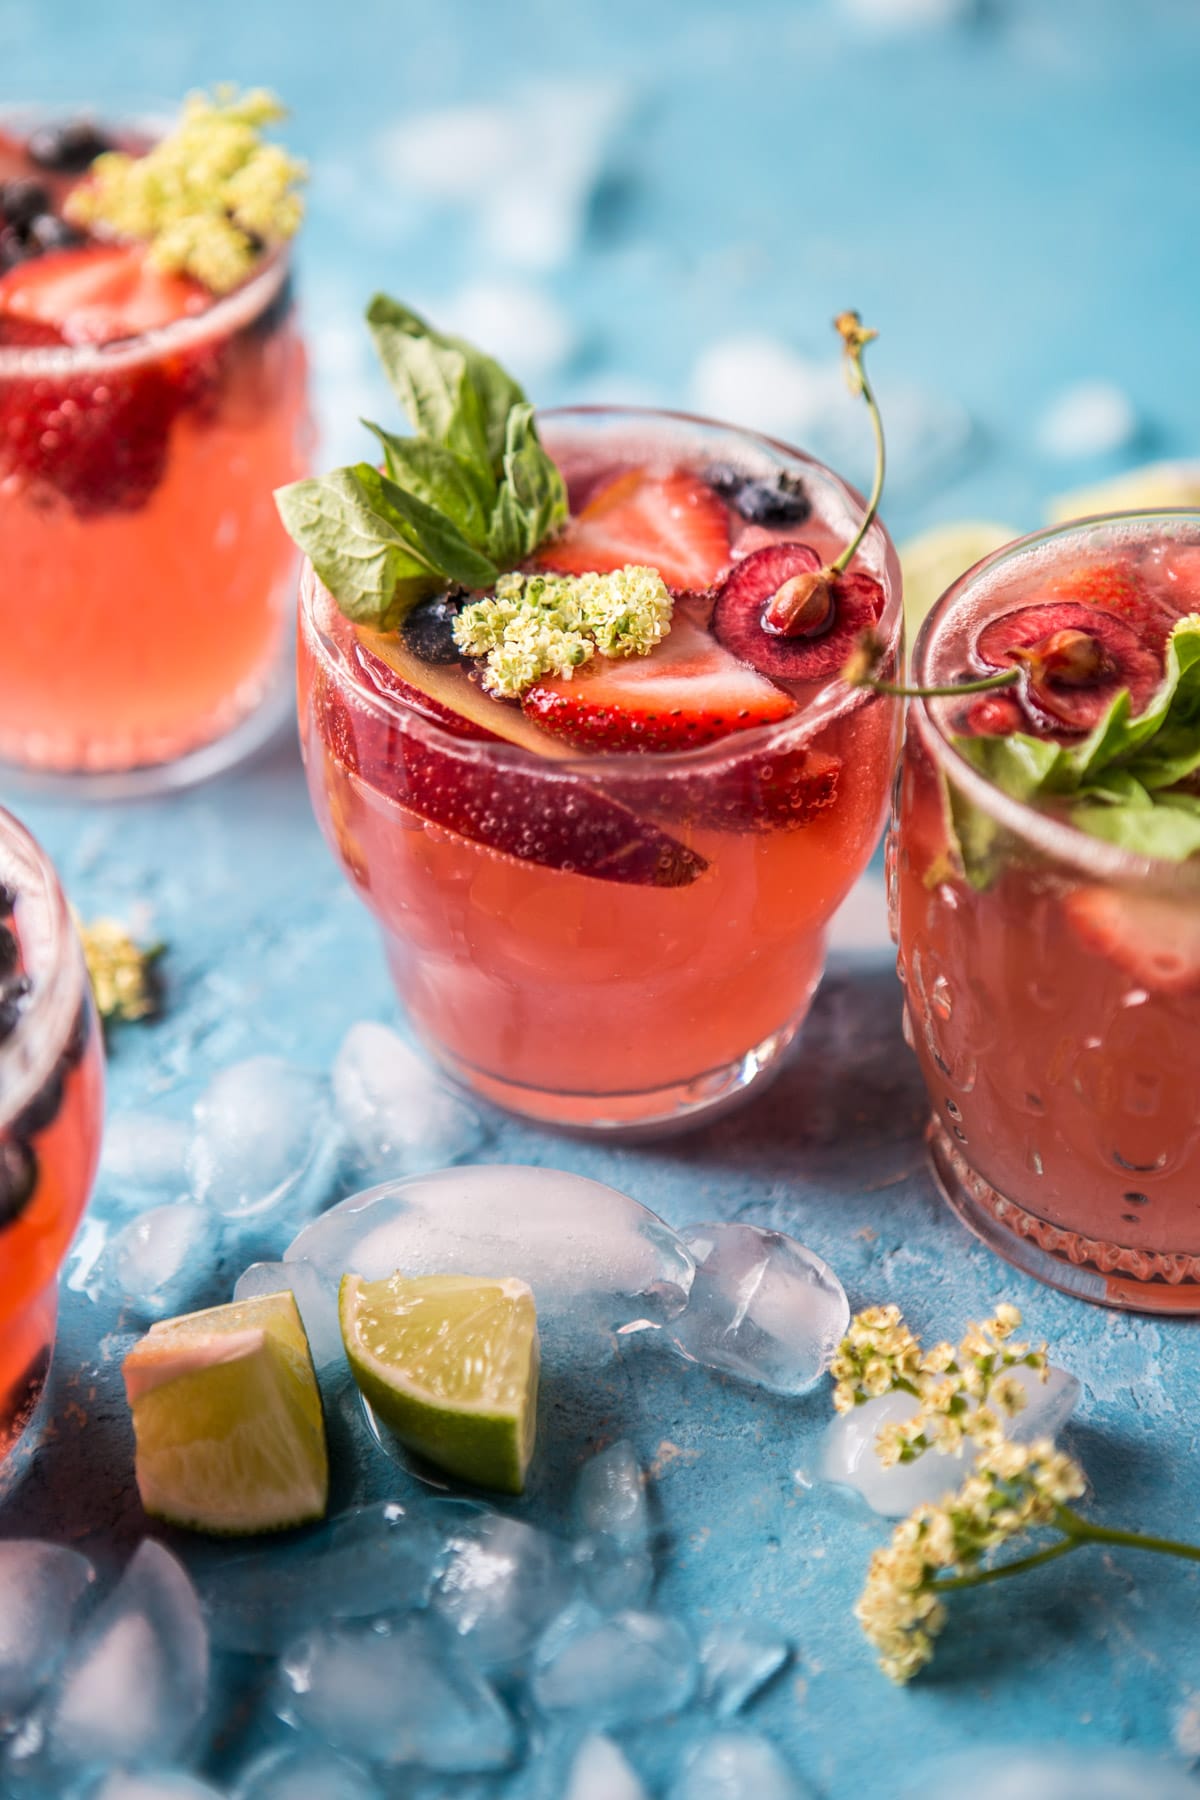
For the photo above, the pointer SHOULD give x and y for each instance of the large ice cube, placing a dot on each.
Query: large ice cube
(586, 1250)
(848, 1450)
(735, 1662)
(41, 1586)
(399, 1116)
(144, 1153)
(154, 1262)
(308, 1774)
(396, 1695)
(262, 1137)
(620, 1670)
(134, 1687)
(600, 1772)
(500, 1585)
(368, 1561)
(315, 1297)
(762, 1308)
(738, 1765)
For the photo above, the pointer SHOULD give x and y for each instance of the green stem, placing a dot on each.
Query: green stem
(1084, 1532)
(987, 684)
(843, 561)
(980, 1577)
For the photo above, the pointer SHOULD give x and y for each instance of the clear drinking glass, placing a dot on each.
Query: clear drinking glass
(613, 942)
(1054, 1008)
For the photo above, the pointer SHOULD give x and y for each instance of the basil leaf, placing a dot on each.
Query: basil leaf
(535, 479)
(431, 379)
(507, 533)
(347, 530)
(1165, 830)
(435, 539)
(439, 478)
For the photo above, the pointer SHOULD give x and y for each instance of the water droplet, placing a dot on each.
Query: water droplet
(960, 1134)
(1137, 1199)
(952, 1108)
(1035, 1104)
(1135, 997)
(1141, 1168)
(1033, 1161)
(941, 999)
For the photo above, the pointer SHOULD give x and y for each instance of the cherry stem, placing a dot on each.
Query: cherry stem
(1077, 1531)
(855, 337)
(987, 684)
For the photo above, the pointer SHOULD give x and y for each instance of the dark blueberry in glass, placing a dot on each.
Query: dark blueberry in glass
(42, 1109)
(724, 479)
(779, 502)
(428, 631)
(18, 1179)
(10, 951)
(22, 201)
(12, 994)
(77, 1042)
(49, 232)
(8, 901)
(14, 248)
(67, 149)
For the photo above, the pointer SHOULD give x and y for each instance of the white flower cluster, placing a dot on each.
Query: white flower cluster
(536, 625)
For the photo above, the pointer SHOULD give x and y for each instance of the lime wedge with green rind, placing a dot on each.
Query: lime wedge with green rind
(930, 562)
(227, 1418)
(450, 1364)
(1145, 489)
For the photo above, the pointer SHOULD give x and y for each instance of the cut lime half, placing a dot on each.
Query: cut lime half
(450, 1364)
(227, 1418)
(930, 562)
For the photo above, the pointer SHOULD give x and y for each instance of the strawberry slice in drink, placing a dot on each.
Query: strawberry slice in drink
(99, 293)
(1156, 941)
(674, 523)
(527, 812)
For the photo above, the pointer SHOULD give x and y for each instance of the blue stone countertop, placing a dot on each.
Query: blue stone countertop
(1009, 191)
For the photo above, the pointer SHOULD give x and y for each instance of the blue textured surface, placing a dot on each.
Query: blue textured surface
(1012, 198)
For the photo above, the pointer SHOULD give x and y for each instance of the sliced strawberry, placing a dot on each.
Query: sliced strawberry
(1174, 574)
(857, 603)
(559, 823)
(1056, 695)
(29, 334)
(688, 691)
(1156, 942)
(1116, 588)
(673, 523)
(98, 293)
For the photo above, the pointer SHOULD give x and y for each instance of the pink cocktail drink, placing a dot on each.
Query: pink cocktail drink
(607, 907)
(51, 1107)
(1048, 907)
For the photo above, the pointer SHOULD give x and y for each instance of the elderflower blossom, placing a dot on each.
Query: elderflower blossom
(121, 973)
(207, 197)
(1014, 1488)
(536, 625)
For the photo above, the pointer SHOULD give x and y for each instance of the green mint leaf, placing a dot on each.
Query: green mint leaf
(434, 539)
(439, 478)
(532, 501)
(431, 378)
(1164, 828)
(348, 532)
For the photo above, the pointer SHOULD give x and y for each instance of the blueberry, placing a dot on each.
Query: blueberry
(783, 501)
(67, 149)
(428, 631)
(18, 1179)
(14, 248)
(77, 1040)
(12, 993)
(49, 232)
(22, 201)
(724, 479)
(42, 1110)
(10, 951)
(8, 901)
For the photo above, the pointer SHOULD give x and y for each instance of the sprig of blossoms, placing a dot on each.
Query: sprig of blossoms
(208, 197)
(124, 978)
(536, 625)
(1014, 1488)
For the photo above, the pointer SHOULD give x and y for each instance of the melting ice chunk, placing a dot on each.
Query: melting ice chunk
(144, 1153)
(399, 1116)
(585, 1249)
(762, 1307)
(155, 1262)
(262, 1136)
(396, 1696)
(368, 1561)
(735, 1662)
(41, 1586)
(848, 1451)
(737, 1765)
(1020, 1774)
(500, 1585)
(613, 1552)
(134, 1686)
(307, 1774)
(315, 1297)
(621, 1670)
(600, 1772)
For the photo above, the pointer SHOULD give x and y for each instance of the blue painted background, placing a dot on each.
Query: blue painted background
(1011, 193)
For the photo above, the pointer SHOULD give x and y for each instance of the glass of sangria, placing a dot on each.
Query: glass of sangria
(1044, 872)
(605, 906)
(145, 415)
(51, 1108)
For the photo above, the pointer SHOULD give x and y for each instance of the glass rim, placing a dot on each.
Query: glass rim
(833, 700)
(46, 1020)
(226, 314)
(1064, 843)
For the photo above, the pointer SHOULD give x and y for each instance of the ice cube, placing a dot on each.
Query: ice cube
(399, 1116)
(134, 1686)
(262, 1137)
(41, 1586)
(614, 1579)
(164, 1784)
(619, 1670)
(762, 1308)
(500, 1585)
(523, 327)
(1053, 1774)
(308, 1774)
(155, 1262)
(396, 1695)
(1092, 418)
(600, 1772)
(368, 1561)
(588, 1252)
(143, 1154)
(315, 1296)
(848, 1450)
(738, 1765)
(613, 1552)
(735, 1662)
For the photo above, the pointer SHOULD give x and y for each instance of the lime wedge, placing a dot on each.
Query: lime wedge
(1154, 485)
(450, 1363)
(227, 1418)
(930, 562)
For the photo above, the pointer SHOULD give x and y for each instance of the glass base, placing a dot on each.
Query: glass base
(648, 1113)
(258, 728)
(1107, 1274)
